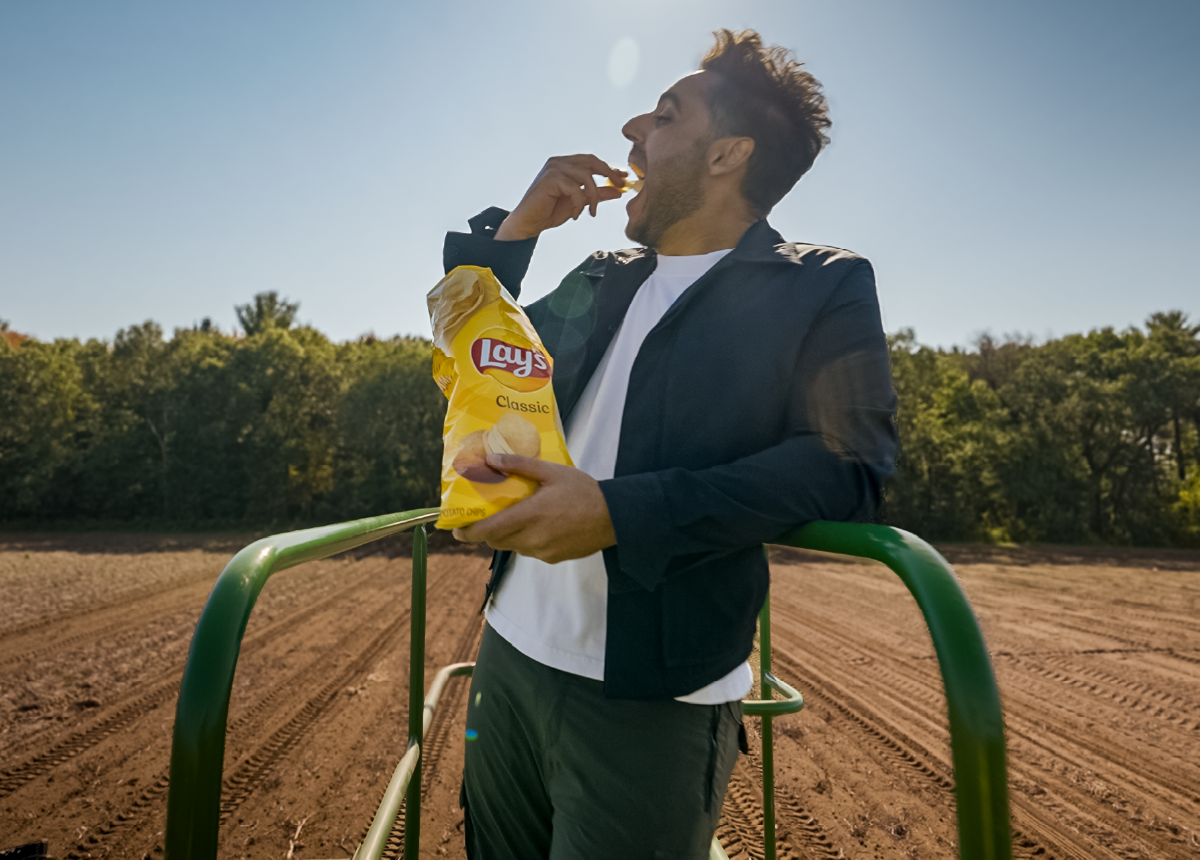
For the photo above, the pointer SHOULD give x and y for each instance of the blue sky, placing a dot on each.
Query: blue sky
(1012, 167)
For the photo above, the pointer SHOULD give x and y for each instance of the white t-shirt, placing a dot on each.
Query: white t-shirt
(557, 613)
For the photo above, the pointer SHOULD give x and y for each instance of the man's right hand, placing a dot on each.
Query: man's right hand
(561, 191)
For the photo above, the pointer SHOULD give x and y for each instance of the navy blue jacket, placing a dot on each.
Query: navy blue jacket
(761, 401)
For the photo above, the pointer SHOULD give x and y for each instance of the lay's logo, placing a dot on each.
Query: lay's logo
(517, 366)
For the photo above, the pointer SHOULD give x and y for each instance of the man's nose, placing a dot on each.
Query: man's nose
(635, 129)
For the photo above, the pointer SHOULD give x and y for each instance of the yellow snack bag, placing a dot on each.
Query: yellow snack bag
(491, 365)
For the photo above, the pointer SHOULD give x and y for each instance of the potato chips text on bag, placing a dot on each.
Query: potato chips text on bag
(491, 365)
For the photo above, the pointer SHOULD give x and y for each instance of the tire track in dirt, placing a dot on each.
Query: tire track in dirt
(798, 835)
(262, 756)
(1038, 822)
(141, 701)
(134, 596)
(1146, 699)
(1109, 824)
(1034, 711)
(161, 686)
(1072, 652)
(740, 829)
(439, 733)
(1107, 634)
(256, 763)
(253, 767)
(1158, 619)
(795, 825)
(66, 643)
(905, 754)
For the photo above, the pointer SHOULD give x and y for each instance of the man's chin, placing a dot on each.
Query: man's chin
(635, 227)
(631, 231)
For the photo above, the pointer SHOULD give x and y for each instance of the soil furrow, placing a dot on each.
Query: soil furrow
(1043, 818)
(265, 754)
(1036, 709)
(245, 776)
(140, 702)
(1101, 697)
(82, 614)
(903, 752)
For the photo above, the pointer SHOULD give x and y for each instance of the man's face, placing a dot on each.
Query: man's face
(670, 146)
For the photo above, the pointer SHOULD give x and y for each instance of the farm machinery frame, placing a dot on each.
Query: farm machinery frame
(198, 745)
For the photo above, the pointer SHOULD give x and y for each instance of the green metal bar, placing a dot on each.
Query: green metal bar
(791, 702)
(198, 744)
(381, 827)
(373, 845)
(716, 852)
(972, 697)
(416, 686)
(768, 744)
(454, 670)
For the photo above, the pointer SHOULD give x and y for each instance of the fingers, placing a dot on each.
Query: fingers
(581, 169)
(496, 529)
(568, 192)
(526, 467)
(588, 162)
(591, 193)
(582, 190)
(608, 192)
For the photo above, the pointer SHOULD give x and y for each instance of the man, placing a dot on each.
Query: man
(718, 387)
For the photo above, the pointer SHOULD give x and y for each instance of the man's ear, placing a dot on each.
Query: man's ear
(729, 154)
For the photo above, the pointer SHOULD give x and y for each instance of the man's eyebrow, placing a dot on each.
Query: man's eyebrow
(670, 96)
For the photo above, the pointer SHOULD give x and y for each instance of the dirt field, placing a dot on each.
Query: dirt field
(1098, 656)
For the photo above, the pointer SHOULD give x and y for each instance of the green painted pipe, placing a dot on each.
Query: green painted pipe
(972, 697)
(416, 689)
(198, 743)
(373, 845)
(791, 702)
(768, 742)
(381, 827)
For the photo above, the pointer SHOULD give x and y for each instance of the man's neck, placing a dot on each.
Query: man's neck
(703, 232)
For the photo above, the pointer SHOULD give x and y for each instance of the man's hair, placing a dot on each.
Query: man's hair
(763, 92)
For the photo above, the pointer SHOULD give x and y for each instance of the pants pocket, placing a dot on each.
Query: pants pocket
(743, 741)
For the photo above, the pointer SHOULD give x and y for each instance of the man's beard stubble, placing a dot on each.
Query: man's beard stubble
(677, 194)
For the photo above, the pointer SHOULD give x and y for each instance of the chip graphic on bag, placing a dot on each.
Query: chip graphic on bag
(491, 365)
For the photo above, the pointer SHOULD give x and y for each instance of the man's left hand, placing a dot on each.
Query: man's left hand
(566, 517)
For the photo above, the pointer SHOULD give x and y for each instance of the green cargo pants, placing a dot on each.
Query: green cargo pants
(556, 771)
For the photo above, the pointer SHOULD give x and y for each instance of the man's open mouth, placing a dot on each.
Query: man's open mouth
(640, 172)
(633, 181)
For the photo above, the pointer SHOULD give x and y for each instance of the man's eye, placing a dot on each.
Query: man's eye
(659, 119)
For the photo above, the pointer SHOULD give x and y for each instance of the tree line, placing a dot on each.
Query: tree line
(1088, 438)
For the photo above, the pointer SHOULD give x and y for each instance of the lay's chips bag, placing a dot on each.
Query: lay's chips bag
(491, 365)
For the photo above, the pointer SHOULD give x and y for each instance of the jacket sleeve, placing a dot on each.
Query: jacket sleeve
(508, 260)
(838, 448)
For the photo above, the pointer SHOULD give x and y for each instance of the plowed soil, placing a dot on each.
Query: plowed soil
(1097, 654)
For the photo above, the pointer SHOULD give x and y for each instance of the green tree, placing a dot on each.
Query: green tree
(390, 425)
(1174, 345)
(43, 406)
(265, 312)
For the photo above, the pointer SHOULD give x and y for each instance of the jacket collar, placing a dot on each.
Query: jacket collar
(761, 243)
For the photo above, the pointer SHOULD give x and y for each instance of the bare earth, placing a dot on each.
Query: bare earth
(1097, 653)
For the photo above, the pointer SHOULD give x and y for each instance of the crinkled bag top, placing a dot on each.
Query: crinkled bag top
(491, 365)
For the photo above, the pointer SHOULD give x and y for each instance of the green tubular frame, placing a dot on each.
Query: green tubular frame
(197, 751)
(972, 697)
(198, 744)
